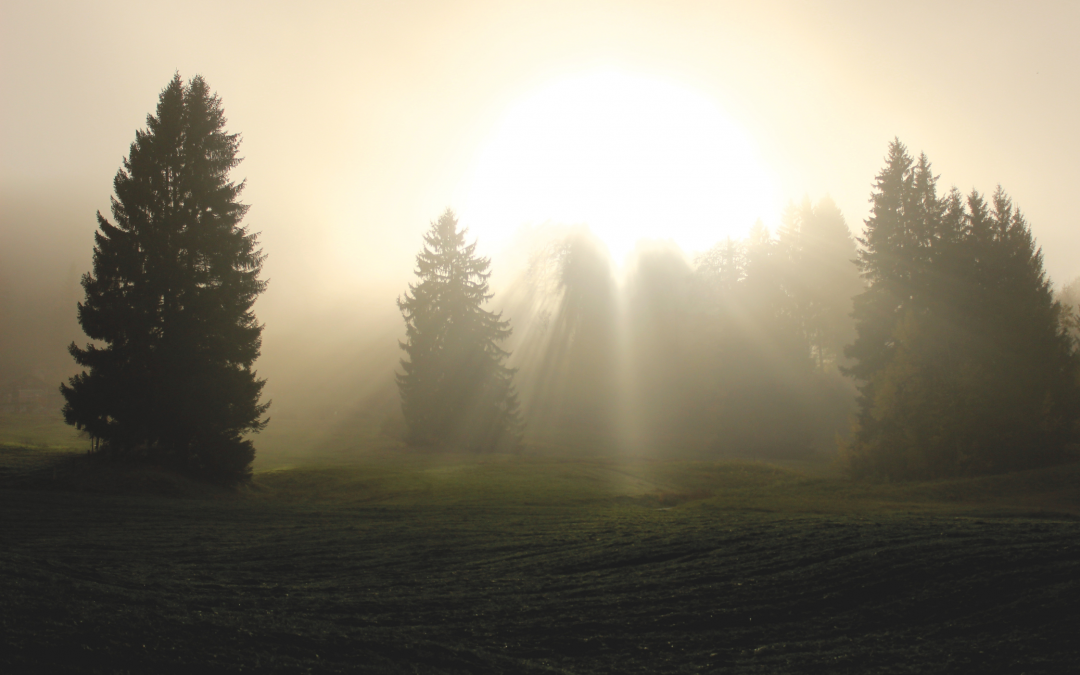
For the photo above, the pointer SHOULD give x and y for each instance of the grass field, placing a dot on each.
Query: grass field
(394, 561)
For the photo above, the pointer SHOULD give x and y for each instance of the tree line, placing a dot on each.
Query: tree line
(940, 315)
(737, 352)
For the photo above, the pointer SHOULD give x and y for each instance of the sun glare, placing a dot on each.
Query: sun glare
(628, 156)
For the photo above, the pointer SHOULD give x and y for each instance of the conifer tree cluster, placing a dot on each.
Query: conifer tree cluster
(769, 320)
(963, 356)
(737, 354)
(456, 390)
(170, 301)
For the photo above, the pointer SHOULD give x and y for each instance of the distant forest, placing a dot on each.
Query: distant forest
(738, 352)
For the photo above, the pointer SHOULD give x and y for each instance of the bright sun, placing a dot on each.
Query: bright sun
(629, 156)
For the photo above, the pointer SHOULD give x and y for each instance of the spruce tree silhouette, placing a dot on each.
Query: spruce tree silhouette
(455, 390)
(170, 296)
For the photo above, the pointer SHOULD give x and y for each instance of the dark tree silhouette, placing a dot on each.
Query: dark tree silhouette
(456, 390)
(963, 356)
(170, 297)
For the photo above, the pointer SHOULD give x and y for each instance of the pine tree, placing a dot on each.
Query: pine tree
(171, 293)
(889, 261)
(456, 390)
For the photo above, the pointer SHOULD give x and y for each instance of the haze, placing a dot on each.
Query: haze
(363, 122)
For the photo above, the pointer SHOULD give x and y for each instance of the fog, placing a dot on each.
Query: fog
(362, 122)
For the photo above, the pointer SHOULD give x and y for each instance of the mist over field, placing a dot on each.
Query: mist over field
(577, 337)
(341, 221)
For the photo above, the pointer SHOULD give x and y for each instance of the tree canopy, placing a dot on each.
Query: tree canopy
(456, 390)
(169, 300)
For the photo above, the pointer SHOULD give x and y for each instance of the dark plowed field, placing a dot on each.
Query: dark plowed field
(109, 584)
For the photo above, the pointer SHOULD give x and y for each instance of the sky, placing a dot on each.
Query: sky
(363, 121)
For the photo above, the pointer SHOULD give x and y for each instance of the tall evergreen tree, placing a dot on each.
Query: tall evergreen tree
(455, 387)
(174, 280)
(963, 357)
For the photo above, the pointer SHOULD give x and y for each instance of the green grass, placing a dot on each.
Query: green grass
(415, 479)
(385, 560)
(39, 431)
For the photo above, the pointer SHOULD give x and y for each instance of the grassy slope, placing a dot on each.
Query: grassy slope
(490, 481)
(427, 563)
